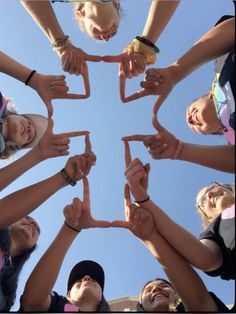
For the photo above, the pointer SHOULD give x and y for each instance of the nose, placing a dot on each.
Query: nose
(105, 36)
(35, 225)
(86, 278)
(155, 289)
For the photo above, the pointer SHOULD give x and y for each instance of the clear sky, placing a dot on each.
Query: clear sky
(173, 184)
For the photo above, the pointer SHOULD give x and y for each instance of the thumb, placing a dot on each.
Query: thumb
(49, 108)
(115, 59)
(147, 168)
(158, 104)
(50, 126)
(156, 124)
(93, 58)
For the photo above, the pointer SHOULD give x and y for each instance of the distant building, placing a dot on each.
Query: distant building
(125, 304)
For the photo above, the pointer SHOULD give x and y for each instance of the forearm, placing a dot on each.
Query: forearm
(210, 46)
(22, 202)
(13, 68)
(36, 295)
(44, 16)
(158, 17)
(186, 244)
(192, 291)
(219, 157)
(11, 172)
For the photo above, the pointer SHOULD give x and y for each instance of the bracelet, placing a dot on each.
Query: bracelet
(67, 178)
(60, 42)
(65, 223)
(178, 150)
(29, 77)
(140, 202)
(148, 43)
(139, 47)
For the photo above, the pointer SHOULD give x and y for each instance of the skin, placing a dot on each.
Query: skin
(201, 116)
(18, 129)
(24, 235)
(156, 296)
(100, 20)
(84, 290)
(214, 200)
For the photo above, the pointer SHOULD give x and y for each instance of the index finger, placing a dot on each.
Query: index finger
(127, 196)
(93, 58)
(88, 145)
(86, 191)
(136, 137)
(74, 133)
(115, 59)
(158, 103)
(128, 157)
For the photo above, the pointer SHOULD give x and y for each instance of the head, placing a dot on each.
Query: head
(85, 286)
(213, 199)
(20, 241)
(99, 19)
(158, 295)
(18, 131)
(201, 116)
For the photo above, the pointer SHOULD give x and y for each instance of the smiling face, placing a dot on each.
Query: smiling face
(156, 296)
(18, 129)
(99, 20)
(213, 199)
(201, 116)
(24, 233)
(86, 290)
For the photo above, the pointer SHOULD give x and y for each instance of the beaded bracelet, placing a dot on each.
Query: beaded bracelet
(148, 43)
(67, 178)
(65, 223)
(60, 42)
(140, 202)
(29, 77)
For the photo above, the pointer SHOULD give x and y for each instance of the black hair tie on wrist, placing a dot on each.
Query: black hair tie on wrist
(67, 178)
(71, 227)
(148, 43)
(29, 77)
(140, 202)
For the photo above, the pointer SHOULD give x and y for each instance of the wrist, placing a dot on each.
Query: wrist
(77, 230)
(178, 150)
(142, 200)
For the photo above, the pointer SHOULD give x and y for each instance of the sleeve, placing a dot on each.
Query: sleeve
(57, 303)
(221, 307)
(5, 240)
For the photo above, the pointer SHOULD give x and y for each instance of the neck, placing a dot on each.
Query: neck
(84, 305)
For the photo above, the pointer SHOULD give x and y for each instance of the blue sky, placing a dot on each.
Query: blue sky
(173, 184)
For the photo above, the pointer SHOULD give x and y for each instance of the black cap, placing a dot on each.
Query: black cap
(83, 268)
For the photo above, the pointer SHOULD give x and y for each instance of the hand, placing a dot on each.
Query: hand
(54, 145)
(160, 146)
(79, 166)
(138, 220)
(137, 175)
(78, 214)
(73, 60)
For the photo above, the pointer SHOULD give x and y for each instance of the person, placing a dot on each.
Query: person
(17, 242)
(158, 295)
(48, 87)
(86, 280)
(100, 20)
(214, 252)
(165, 145)
(24, 201)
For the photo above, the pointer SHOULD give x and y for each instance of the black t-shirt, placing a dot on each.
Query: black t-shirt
(222, 231)
(60, 304)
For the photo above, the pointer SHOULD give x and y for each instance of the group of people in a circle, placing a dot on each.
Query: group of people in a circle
(177, 250)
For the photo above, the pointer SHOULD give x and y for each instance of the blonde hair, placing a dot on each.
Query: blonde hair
(206, 220)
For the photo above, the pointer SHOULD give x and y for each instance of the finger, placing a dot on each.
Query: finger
(121, 224)
(127, 196)
(158, 103)
(115, 59)
(85, 76)
(88, 145)
(156, 124)
(122, 81)
(75, 96)
(102, 224)
(128, 157)
(50, 126)
(93, 58)
(139, 94)
(86, 192)
(136, 137)
(70, 134)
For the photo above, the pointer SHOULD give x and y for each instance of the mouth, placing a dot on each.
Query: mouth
(157, 296)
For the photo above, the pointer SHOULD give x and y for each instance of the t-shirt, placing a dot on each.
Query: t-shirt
(222, 231)
(223, 89)
(60, 304)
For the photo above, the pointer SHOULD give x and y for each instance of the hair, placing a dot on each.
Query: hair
(11, 148)
(206, 221)
(78, 5)
(175, 301)
(9, 280)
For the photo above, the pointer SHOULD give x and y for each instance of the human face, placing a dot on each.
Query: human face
(156, 296)
(86, 288)
(24, 233)
(100, 20)
(19, 129)
(201, 116)
(213, 199)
